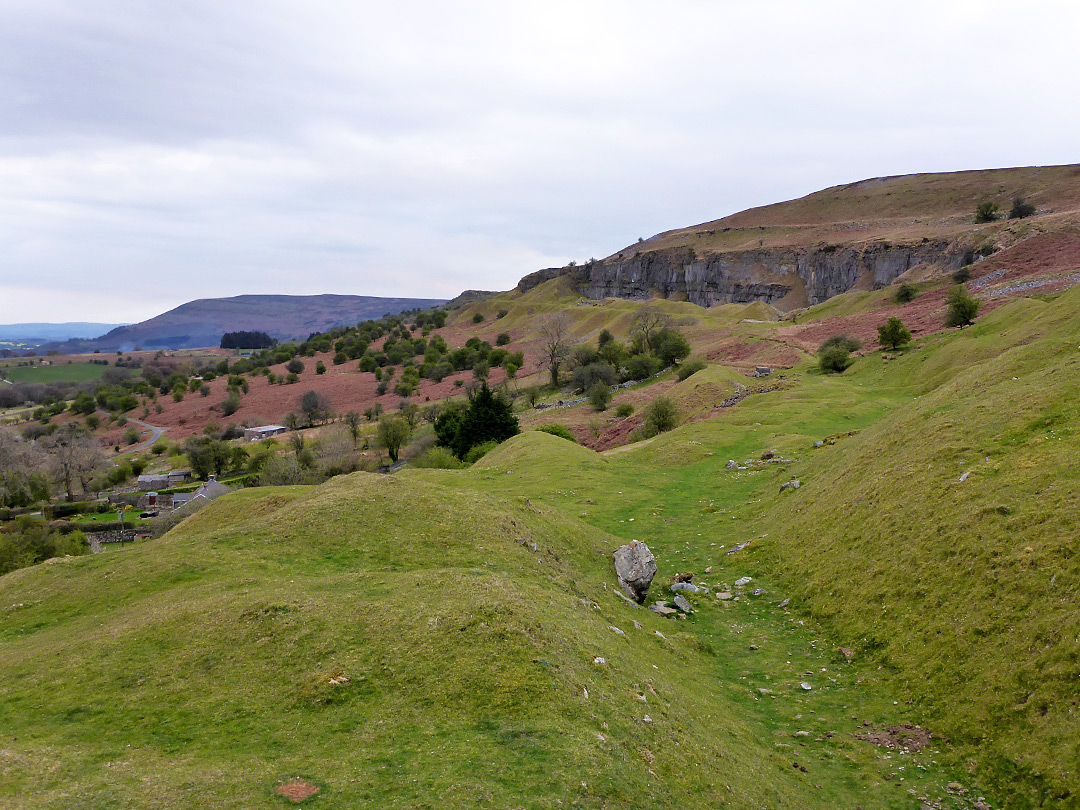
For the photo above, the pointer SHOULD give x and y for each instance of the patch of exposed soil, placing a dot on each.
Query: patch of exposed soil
(905, 736)
(297, 790)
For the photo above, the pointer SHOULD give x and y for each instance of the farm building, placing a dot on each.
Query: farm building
(253, 434)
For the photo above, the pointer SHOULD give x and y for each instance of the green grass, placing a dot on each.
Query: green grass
(201, 663)
(75, 372)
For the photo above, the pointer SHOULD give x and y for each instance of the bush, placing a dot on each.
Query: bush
(488, 417)
(381, 389)
(320, 366)
(962, 275)
(624, 410)
(131, 435)
(986, 212)
(502, 313)
(688, 369)
(295, 366)
(835, 353)
(502, 339)
(641, 367)
(660, 416)
(963, 307)
(478, 317)
(585, 377)
(92, 421)
(479, 451)
(1021, 209)
(557, 430)
(906, 292)
(437, 458)
(669, 347)
(599, 396)
(893, 333)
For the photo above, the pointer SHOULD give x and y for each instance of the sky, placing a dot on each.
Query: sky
(154, 153)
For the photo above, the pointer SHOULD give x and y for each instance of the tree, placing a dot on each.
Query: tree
(314, 407)
(660, 416)
(669, 346)
(488, 417)
(295, 366)
(352, 422)
(893, 333)
(393, 432)
(502, 339)
(555, 340)
(320, 366)
(1021, 209)
(73, 457)
(207, 456)
(585, 377)
(647, 321)
(246, 340)
(986, 212)
(906, 292)
(963, 307)
(834, 354)
(599, 396)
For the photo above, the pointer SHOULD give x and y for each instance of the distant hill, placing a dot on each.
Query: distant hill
(31, 332)
(203, 322)
(859, 236)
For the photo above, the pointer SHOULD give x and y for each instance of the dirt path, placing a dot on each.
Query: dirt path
(155, 434)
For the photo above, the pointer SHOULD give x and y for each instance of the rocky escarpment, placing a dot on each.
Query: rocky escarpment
(785, 277)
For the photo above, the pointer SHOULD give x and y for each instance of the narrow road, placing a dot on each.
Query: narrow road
(156, 433)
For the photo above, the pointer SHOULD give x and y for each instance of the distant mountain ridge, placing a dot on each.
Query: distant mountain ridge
(55, 331)
(203, 322)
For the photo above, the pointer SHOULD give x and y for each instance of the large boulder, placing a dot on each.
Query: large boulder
(635, 567)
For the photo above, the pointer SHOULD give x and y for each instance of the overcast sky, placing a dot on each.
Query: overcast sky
(152, 153)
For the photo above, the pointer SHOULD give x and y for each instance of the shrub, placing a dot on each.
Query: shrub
(479, 451)
(92, 421)
(437, 458)
(502, 313)
(669, 347)
(502, 339)
(963, 307)
(320, 367)
(834, 354)
(641, 367)
(585, 377)
(599, 396)
(906, 292)
(159, 447)
(204, 391)
(986, 212)
(229, 405)
(381, 389)
(488, 417)
(962, 275)
(893, 333)
(660, 416)
(556, 429)
(131, 435)
(478, 317)
(690, 368)
(624, 410)
(1021, 209)
(393, 432)
(295, 366)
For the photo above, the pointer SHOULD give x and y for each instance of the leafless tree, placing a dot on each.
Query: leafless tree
(647, 321)
(555, 336)
(73, 457)
(19, 461)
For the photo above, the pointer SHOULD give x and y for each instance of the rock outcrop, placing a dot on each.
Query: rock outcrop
(635, 566)
(784, 277)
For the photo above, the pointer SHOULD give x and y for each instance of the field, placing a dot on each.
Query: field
(73, 372)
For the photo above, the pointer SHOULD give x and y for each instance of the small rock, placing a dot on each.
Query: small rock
(739, 547)
(741, 581)
(802, 733)
(757, 592)
(847, 653)
(616, 630)
(723, 596)
(964, 477)
(785, 603)
(753, 646)
(763, 691)
(663, 609)
(790, 485)
(683, 576)
(646, 719)
(637, 626)
(708, 570)
(688, 587)
(819, 444)
(657, 632)
(731, 465)
(682, 604)
(806, 686)
(767, 455)
(599, 661)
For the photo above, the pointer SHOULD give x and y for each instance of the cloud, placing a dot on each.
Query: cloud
(155, 153)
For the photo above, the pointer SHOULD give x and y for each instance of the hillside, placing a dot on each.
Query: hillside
(35, 333)
(203, 322)
(860, 236)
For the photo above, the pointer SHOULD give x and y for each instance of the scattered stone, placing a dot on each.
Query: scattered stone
(599, 661)
(708, 570)
(904, 736)
(806, 686)
(625, 598)
(683, 576)
(646, 719)
(753, 646)
(731, 465)
(635, 567)
(767, 455)
(762, 371)
(688, 587)
(790, 485)
(849, 654)
(616, 630)
(340, 680)
(739, 547)
(663, 608)
(657, 632)
(819, 444)
(785, 603)
(802, 733)
(757, 592)
(637, 626)
(682, 604)
(763, 691)
(723, 595)
(741, 581)
(964, 477)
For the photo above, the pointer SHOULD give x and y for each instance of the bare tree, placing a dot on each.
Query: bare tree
(352, 421)
(555, 336)
(647, 321)
(20, 460)
(73, 457)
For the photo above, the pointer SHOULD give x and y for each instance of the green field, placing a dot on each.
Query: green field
(75, 372)
(454, 638)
